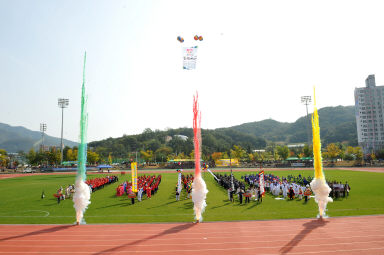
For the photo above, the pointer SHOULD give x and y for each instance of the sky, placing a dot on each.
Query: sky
(256, 61)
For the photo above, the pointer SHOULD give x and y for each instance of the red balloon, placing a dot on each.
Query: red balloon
(196, 37)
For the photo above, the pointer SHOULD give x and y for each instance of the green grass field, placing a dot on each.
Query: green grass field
(20, 201)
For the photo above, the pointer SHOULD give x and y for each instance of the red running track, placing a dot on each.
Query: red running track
(344, 235)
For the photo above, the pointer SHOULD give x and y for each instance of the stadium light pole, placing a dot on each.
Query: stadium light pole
(43, 128)
(62, 103)
(306, 100)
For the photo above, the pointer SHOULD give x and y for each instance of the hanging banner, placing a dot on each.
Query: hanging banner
(179, 181)
(189, 57)
(261, 183)
(134, 176)
(214, 176)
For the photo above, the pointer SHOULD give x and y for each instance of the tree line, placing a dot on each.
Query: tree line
(272, 152)
(52, 156)
(162, 145)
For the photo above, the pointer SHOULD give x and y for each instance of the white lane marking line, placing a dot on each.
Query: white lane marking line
(178, 239)
(194, 251)
(188, 244)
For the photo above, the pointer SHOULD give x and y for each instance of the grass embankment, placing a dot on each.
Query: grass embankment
(20, 201)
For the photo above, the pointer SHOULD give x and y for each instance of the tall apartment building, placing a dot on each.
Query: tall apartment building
(369, 107)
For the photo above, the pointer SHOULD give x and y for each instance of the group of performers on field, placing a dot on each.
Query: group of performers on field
(186, 183)
(292, 187)
(289, 187)
(94, 184)
(234, 186)
(100, 182)
(147, 185)
(339, 189)
(62, 193)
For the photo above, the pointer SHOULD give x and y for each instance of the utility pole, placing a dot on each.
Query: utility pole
(62, 103)
(43, 128)
(230, 165)
(306, 100)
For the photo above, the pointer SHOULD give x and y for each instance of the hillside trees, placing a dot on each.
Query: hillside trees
(213, 141)
(53, 156)
(283, 151)
(335, 151)
(332, 151)
(238, 152)
(163, 153)
(217, 155)
(31, 156)
(307, 151)
(147, 155)
(179, 145)
(71, 155)
(4, 159)
(92, 157)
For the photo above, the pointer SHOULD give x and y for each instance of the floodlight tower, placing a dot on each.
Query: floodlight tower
(43, 128)
(306, 100)
(62, 103)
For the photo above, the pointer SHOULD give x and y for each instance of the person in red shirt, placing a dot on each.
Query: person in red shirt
(307, 193)
(148, 190)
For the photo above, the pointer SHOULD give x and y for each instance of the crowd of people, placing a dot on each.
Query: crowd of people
(99, 183)
(339, 189)
(62, 193)
(244, 192)
(94, 184)
(290, 187)
(186, 182)
(146, 185)
(247, 189)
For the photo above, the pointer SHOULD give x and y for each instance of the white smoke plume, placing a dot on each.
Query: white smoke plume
(81, 199)
(321, 190)
(199, 194)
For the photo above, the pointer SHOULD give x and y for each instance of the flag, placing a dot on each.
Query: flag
(261, 183)
(134, 176)
(179, 182)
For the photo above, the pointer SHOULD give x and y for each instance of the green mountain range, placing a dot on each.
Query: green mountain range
(337, 124)
(14, 139)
